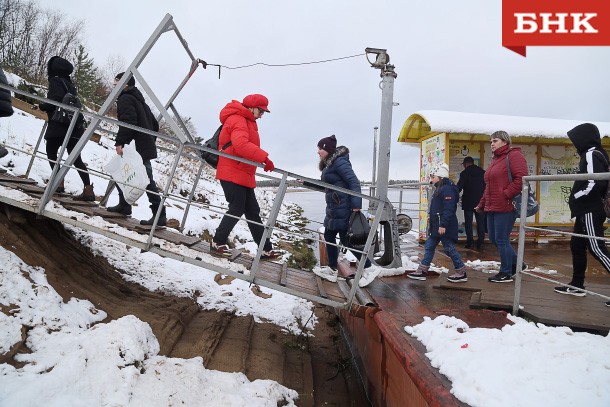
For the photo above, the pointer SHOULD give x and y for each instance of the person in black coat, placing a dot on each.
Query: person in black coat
(472, 183)
(442, 226)
(59, 70)
(586, 207)
(6, 106)
(132, 109)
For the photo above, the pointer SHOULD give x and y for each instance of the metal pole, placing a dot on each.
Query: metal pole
(374, 179)
(521, 246)
(275, 210)
(385, 128)
(44, 128)
(190, 197)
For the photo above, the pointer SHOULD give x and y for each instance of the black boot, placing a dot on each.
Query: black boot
(123, 207)
(162, 218)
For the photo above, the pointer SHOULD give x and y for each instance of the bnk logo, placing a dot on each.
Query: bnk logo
(554, 23)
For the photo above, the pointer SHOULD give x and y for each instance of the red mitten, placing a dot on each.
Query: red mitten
(268, 165)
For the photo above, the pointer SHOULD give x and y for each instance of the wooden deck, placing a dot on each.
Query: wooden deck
(538, 302)
(270, 274)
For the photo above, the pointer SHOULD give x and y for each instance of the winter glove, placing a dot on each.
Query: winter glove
(268, 165)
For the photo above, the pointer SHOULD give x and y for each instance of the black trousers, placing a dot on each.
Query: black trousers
(242, 201)
(53, 146)
(480, 217)
(591, 224)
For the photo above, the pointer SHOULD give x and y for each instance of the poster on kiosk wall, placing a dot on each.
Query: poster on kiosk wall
(432, 155)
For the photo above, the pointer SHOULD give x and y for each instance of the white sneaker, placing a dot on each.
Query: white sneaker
(368, 275)
(326, 273)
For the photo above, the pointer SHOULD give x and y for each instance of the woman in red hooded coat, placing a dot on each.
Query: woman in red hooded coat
(237, 178)
(497, 198)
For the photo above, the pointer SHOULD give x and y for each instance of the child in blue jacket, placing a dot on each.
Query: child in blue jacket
(442, 226)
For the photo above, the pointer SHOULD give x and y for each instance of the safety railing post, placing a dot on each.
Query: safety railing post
(190, 197)
(275, 210)
(31, 164)
(164, 196)
(521, 245)
(400, 199)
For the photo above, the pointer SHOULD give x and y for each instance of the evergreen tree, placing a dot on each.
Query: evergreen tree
(86, 77)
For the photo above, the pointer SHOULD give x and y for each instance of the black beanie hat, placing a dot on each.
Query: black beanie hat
(328, 144)
(130, 82)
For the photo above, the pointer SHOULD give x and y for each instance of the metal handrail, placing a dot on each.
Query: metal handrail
(180, 153)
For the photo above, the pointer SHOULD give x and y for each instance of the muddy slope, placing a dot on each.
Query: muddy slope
(319, 367)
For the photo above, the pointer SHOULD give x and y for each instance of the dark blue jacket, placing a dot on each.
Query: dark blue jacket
(442, 210)
(337, 170)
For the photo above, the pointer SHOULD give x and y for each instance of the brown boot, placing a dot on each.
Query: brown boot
(87, 194)
(61, 188)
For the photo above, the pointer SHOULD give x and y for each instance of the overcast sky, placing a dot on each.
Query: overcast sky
(447, 54)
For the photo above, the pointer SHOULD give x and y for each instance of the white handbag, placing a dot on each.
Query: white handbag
(129, 169)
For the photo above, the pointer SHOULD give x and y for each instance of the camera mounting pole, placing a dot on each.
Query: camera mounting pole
(391, 256)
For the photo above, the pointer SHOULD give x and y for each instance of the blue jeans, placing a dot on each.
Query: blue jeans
(499, 226)
(333, 251)
(448, 246)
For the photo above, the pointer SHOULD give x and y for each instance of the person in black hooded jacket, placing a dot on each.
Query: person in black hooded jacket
(6, 107)
(132, 109)
(59, 70)
(587, 207)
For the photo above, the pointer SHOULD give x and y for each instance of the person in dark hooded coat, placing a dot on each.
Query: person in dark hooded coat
(59, 70)
(337, 170)
(6, 102)
(6, 107)
(442, 226)
(587, 207)
(132, 109)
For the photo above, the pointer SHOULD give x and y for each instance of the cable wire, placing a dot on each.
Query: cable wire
(293, 64)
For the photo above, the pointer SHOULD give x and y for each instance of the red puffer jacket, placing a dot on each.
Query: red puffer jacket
(499, 192)
(239, 127)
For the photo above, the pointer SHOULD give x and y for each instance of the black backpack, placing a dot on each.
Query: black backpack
(212, 143)
(64, 116)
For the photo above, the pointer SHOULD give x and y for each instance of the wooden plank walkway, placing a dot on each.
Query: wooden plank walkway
(278, 274)
(538, 301)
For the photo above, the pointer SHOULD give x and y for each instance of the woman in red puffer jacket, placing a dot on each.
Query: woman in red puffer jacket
(496, 201)
(236, 178)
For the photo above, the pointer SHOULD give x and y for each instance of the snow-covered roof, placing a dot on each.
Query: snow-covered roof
(424, 122)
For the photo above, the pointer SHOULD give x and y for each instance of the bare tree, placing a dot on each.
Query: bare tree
(114, 65)
(55, 36)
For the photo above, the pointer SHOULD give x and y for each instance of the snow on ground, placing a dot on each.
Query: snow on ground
(524, 364)
(78, 361)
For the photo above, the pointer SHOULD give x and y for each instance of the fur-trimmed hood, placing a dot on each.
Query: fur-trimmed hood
(339, 152)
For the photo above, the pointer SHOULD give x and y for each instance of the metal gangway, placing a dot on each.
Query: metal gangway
(523, 227)
(42, 201)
